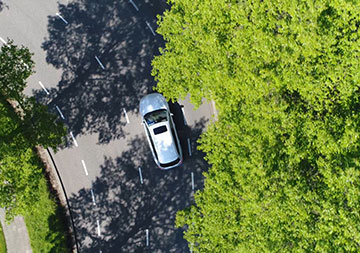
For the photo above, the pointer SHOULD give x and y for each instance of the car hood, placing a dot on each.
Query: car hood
(164, 144)
(152, 102)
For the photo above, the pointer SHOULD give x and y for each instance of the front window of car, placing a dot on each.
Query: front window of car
(156, 117)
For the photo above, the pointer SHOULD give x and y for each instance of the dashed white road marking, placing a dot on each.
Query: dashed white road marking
(147, 237)
(43, 87)
(192, 181)
(93, 197)
(63, 19)
(189, 146)
(132, 2)
(74, 140)
(98, 227)
(152, 31)
(59, 111)
(85, 169)
(126, 116)
(183, 111)
(141, 178)
(3, 41)
(98, 60)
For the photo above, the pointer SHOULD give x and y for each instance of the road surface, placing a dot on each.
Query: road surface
(93, 64)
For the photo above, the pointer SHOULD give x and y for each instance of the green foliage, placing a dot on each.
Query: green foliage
(2, 241)
(20, 131)
(285, 151)
(46, 224)
(15, 67)
(37, 124)
(20, 171)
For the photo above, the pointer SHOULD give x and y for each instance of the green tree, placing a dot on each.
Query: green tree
(16, 66)
(285, 151)
(21, 130)
(38, 125)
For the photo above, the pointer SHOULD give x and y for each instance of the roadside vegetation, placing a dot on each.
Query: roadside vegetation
(46, 224)
(2, 241)
(24, 125)
(284, 153)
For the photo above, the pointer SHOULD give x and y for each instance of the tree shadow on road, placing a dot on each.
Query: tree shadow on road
(3, 5)
(92, 98)
(125, 208)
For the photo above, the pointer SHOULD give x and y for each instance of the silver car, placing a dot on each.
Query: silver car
(160, 131)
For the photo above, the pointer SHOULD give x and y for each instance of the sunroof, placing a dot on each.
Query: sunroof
(160, 130)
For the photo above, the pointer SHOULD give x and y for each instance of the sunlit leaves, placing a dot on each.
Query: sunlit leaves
(21, 130)
(285, 150)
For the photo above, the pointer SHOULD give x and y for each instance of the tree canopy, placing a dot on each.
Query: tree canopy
(285, 149)
(22, 128)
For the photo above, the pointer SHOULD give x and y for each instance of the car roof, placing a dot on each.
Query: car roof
(164, 143)
(152, 102)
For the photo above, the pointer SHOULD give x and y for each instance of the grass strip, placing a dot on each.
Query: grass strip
(2, 241)
(45, 223)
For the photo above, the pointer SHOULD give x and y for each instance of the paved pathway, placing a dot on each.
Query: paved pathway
(16, 236)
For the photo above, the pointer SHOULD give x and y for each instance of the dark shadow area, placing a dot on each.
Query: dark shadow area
(3, 5)
(125, 208)
(92, 98)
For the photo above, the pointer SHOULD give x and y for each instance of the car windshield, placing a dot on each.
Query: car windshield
(156, 117)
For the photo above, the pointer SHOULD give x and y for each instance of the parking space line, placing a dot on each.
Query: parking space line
(126, 116)
(85, 169)
(43, 87)
(152, 31)
(59, 111)
(63, 19)
(132, 2)
(74, 140)
(141, 178)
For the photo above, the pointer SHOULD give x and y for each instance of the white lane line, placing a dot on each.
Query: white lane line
(126, 116)
(98, 60)
(43, 87)
(74, 140)
(189, 146)
(59, 111)
(98, 227)
(183, 111)
(132, 2)
(192, 181)
(63, 19)
(93, 197)
(141, 177)
(3, 41)
(147, 237)
(85, 169)
(152, 31)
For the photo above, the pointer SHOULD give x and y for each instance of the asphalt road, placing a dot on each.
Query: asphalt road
(94, 60)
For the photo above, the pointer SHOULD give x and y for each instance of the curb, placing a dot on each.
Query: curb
(56, 184)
